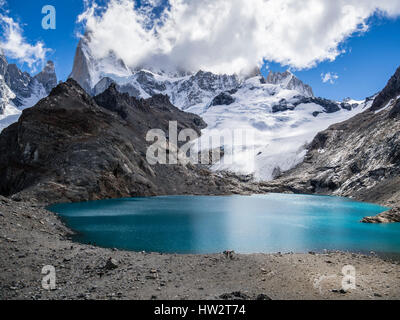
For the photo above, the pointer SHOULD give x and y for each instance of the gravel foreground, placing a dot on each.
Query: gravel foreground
(32, 237)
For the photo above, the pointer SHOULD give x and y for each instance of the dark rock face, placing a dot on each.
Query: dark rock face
(391, 91)
(71, 147)
(395, 112)
(282, 106)
(223, 98)
(19, 82)
(328, 105)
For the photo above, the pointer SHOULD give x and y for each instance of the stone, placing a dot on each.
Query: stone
(263, 297)
(237, 295)
(223, 98)
(111, 264)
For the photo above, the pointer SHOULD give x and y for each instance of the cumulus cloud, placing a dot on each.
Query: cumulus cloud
(16, 46)
(329, 77)
(227, 36)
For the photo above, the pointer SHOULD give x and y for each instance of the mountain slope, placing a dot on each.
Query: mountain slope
(358, 158)
(70, 147)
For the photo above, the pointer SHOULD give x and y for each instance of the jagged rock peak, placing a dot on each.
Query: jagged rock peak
(47, 77)
(391, 91)
(81, 67)
(88, 71)
(289, 81)
(69, 87)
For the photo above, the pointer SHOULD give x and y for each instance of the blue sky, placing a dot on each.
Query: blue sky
(369, 61)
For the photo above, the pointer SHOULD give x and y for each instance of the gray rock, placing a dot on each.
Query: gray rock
(223, 98)
(111, 264)
(234, 296)
(263, 297)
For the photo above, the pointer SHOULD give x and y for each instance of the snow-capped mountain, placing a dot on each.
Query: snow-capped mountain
(19, 90)
(288, 81)
(281, 111)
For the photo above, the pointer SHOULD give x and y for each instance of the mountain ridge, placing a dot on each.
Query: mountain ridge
(20, 90)
(72, 147)
(275, 108)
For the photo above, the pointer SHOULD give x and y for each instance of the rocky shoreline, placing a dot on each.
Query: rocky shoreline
(391, 216)
(32, 237)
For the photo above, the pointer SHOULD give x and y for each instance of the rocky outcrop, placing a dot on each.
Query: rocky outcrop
(329, 106)
(223, 98)
(391, 91)
(288, 81)
(395, 112)
(282, 106)
(390, 216)
(71, 147)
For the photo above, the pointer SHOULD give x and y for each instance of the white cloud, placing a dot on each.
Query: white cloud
(15, 46)
(229, 35)
(329, 77)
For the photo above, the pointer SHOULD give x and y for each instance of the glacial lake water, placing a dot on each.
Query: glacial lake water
(246, 224)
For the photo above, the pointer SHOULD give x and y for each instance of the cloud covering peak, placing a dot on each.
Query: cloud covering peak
(227, 36)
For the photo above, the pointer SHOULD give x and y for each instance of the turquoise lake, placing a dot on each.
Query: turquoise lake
(246, 224)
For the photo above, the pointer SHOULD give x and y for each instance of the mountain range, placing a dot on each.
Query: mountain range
(20, 90)
(281, 111)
